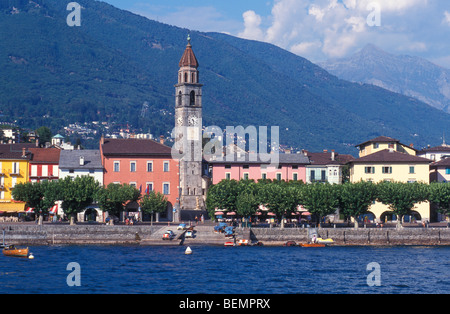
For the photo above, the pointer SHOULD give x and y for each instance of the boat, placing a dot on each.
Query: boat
(243, 242)
(312, 245)
(188, 251)
(14, 252)
(230, 243)
(325, 241)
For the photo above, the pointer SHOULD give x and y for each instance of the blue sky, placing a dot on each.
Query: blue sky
(317, 30)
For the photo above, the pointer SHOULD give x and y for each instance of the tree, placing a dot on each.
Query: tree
(440, 196)
(39, 195)
(77, 194)
(356, 198)
(320, 199)
(247, 204)
(402, 197)
(154, 203)
(222, 196)
(114, 198)
(45, 135)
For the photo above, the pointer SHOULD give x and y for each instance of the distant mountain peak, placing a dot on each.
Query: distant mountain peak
(408, 75)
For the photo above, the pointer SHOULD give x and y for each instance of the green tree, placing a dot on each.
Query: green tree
(77, 193)
(440, 196)
(222, 196)
(39, 195)
(114, 198)
(45, 135)
(356, 198)
(402, 197)
(154, 203)
(320, 199)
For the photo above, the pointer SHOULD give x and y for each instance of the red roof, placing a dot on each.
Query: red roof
(188, 59)
(45, 155)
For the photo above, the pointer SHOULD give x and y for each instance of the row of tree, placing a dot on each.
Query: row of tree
(352, 199)
(78, 193)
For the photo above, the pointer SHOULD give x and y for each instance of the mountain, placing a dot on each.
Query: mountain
(410, 76)
(106, 69)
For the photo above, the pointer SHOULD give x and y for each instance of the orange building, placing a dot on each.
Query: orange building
(145, 164)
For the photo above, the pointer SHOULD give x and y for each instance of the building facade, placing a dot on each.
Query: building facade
(326, 167)
(392, 165)
(145, 164)
(44, 164)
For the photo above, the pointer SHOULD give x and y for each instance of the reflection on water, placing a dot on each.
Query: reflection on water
(235, 270)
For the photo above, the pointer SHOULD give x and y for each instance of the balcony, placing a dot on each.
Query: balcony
(15, 172)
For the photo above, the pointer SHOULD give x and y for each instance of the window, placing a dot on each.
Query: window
(228, 176)
(313, 175)
(376, 145)
(369, 170)
(279, 176)
(295, 177)
(246, 166)
(324, 175)
(15, 169)
(192, 99)
(45, 171)
(132, 166)
(166, 166)
(412, 169)
(166, 188)
(34, 170)
(133, 184)
(246, 176)
(116, 166)
(149, 188)
(227, 166)
(264, 176)
(149, 166)
(387, 170)
(295, 167)
(447, 171)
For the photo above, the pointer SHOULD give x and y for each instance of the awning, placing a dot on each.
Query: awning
(218, 213)
(54, 210)
(306, 214)
(231, 214)
(15, 207)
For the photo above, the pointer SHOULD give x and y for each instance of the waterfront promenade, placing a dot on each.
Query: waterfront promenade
(145, 234)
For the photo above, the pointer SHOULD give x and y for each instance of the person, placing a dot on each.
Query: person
(314, 239)
(196, 220)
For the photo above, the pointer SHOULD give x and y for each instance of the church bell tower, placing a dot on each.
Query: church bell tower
(188, 126)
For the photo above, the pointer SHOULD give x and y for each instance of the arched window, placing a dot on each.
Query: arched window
(192, 99)
(179, 99)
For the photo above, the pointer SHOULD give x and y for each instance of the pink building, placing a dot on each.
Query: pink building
(290, 167)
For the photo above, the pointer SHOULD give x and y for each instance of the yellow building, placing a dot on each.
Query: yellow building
(14, 166)
(391, 161)
(383, 142)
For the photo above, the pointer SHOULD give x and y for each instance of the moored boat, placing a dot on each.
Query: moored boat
(312, 245)
(15, 252)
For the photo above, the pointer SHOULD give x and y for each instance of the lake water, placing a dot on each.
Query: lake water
(231, 270)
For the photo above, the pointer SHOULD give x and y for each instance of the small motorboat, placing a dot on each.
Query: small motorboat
(243, 242)
(325, 241)
(15, 252)
(230, 243)
(312, 245)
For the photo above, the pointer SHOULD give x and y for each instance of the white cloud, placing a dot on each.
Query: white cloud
(252, 22)
(447, 18)
(323, 29)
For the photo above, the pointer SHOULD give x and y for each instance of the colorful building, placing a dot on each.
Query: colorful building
(44, 164)
(390, 164)
(14, 166)
(290, 167)
(145, 164)
(383, 142)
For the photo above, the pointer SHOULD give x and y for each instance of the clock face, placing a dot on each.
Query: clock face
(193, 120)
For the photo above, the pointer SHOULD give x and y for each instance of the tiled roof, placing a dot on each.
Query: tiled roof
(134, 147)
(390, 156)
(325, 158)
(70, 159)
(380, 139)
(441, 148)
(15, 151)
(442, 163)
(188, 59)
(245, 158)
(45, 155)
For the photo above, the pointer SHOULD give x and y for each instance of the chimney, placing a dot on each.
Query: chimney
(333, 155)
(411, 145)
(24, 152)
(161, 139)
(81, 161)
(325, 150)
(102, 140)
(391, 149)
